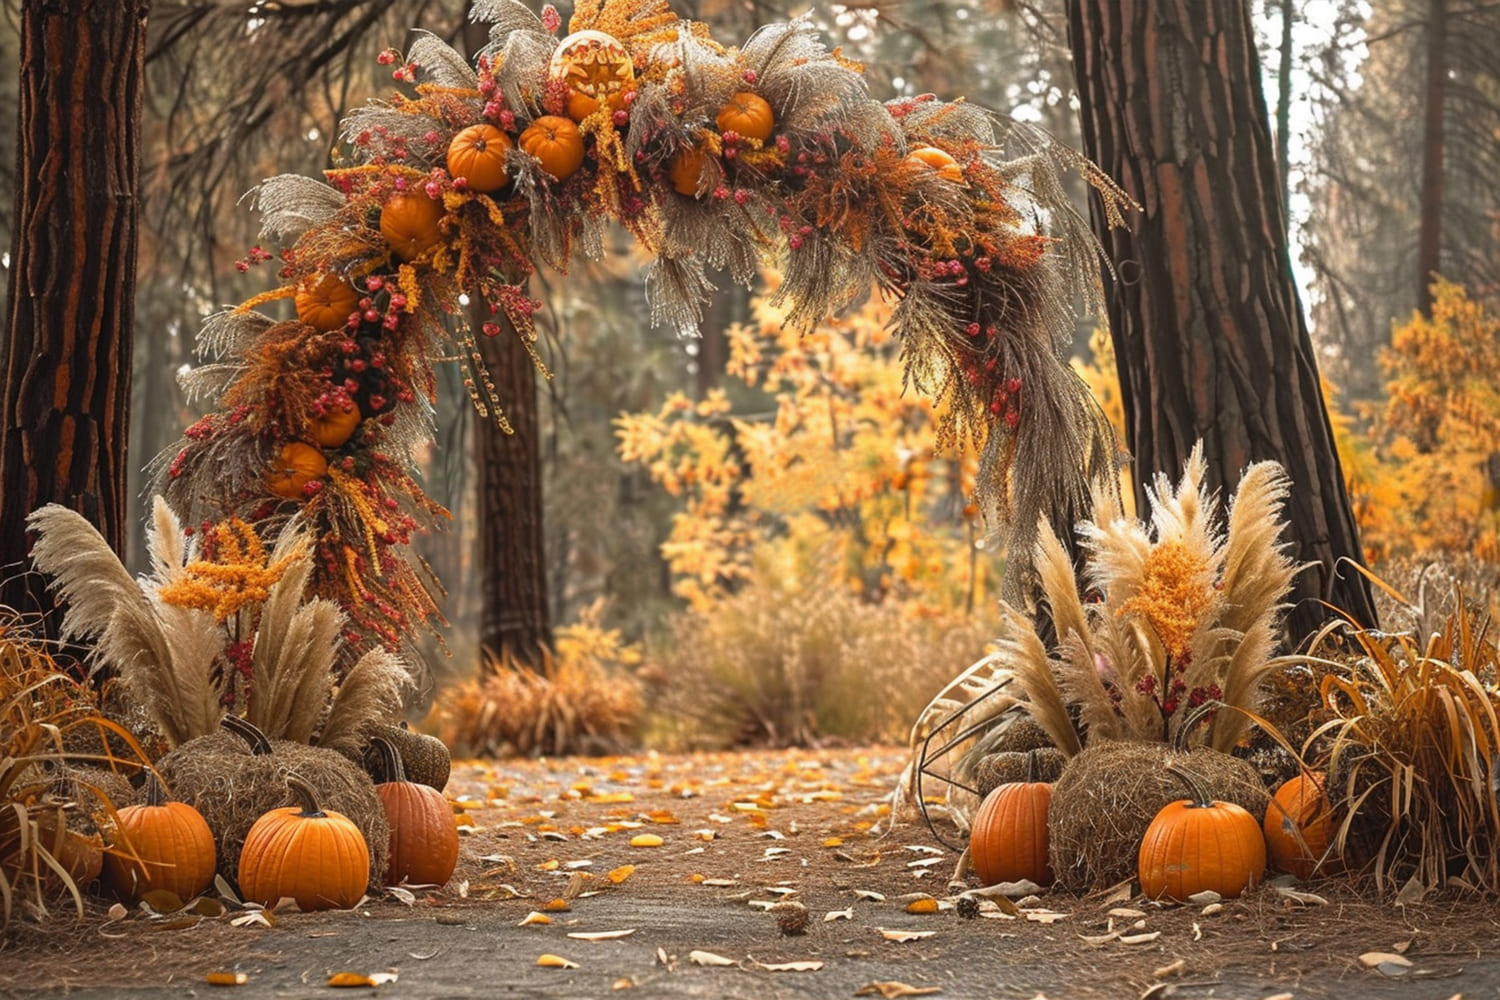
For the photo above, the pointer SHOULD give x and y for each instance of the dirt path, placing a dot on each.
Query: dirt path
(741, 833)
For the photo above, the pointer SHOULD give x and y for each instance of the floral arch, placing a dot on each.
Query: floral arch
(712, 156)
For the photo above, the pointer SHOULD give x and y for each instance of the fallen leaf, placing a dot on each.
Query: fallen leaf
(924, 849)
(709, 958)
(1098, 939)
(1197, 931)
(601, 935)
(620, 874)
(221, 884)
(1204, 898)
(350, 979)
(890, 989)
(1125, 913)
(402, 895)
(117, 911)
(558, 905)
(1044, 916)
(839, 915)
(254, 918)
(1213, 908)
(809, 966)
(646, 840)
(1174, 969)
(623, 983)
(535, 918)
(226, 978)
(1296, 896)
(870, 894)
(901, 937)
(928, 905)
(720, 883)
(555, 962)
(1146, 938)
(1387, 963)
(834, 842)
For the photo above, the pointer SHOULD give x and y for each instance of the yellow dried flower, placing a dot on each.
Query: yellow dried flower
(1176, 592)
(236, 571)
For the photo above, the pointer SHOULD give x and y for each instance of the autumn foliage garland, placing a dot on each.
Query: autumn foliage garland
(712, 156)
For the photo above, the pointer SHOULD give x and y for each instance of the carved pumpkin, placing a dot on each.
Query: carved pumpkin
(334, 428)
(1196, 844)
(296, 464)
(477, 154)
(556, 143)
(1299, 805)
(595, 70)
(1008, 840)
(687, 171)
(749, 115)
(424, 835)
(317, 858)
(163, 845)
(932, 158)
(409, 222)
(325, 304)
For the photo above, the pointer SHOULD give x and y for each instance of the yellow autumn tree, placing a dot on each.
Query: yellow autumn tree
(1433, 480)
(826, 471)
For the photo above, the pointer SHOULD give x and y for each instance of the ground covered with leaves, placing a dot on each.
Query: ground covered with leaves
(764, 874)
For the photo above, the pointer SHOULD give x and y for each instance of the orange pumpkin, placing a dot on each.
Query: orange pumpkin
(166, 845)
(1008, 840)
(749, 115)
(1194, 845)
(687, 171)
(424, 835)
(477, 154)
(556, 143)
(1299, 806)
(409, 222)
(318, 858)
(596, 71)
(325, 304)
(931, 158)
(334, 428)
(296, 464)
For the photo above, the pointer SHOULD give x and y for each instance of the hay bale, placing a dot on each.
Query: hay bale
(232, 786)
(996, 769)
(1109, 793)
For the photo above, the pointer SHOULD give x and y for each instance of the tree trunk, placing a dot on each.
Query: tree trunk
(63, 433)
(1207, 326)
(1430, 237)
(513, 620)
(1284, 101)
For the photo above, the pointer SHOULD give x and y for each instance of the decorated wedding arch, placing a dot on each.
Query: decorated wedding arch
(772, 153)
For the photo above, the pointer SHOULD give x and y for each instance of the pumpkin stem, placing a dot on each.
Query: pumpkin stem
(156, 795)
(1196, 791)
(388, 761)
(307, 795)
(249, 732)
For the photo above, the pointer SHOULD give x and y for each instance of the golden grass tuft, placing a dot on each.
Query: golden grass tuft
(1410, 744)
(582, 698)
(785, 667)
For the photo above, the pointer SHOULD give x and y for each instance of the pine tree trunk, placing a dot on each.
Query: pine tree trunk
(1208, 329)
(63, 433)
(1430, 237)
(512, 573)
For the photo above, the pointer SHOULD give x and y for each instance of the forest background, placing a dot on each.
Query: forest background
(752, 537)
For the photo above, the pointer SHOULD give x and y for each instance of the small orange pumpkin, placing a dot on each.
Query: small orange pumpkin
(688, 170)
(424, 835)
(749, 115)
(166, 845)
(477, 154)
(1197, 844)
(296, 464)
(1299, 805)
(409, 221)
(1008, 840)
(325, 304)
(596, 71)
(318, 858)
(556, 143)
(335, 427)
(932, 158)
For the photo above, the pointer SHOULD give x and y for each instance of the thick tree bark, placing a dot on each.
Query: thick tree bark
(514, 621)
(1430, 237)
(1208, 329)
(63, 420)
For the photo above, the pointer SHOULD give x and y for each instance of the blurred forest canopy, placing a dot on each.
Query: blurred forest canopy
(1390, 122)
